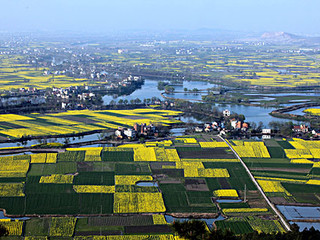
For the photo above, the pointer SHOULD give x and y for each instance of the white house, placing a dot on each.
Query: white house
(266, 136)
(226, 113)
(130, 133)
(233, 123)
(266, 131)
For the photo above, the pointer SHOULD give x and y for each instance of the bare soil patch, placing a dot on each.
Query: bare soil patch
(196, 185)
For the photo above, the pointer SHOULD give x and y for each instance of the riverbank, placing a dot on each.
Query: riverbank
(283, 112)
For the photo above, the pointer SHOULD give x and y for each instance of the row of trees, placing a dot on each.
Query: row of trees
(133, 101)
(197, 230)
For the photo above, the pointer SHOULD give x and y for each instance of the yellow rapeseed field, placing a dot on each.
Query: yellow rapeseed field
(243, 210)
(13, 168)
(142, 202)
(146, 154)
(62, 226)
(131, 179)
(272, 186)
(251, 149)
(314, 182)
(94, 189)
(11, 189)
(196, 169)
(14, 227)
(57, 179)
(212, 144)
(159, 219)
(226, 193)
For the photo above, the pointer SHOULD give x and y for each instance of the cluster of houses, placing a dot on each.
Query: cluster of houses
(138, 130)
(126, 82)
(221, 126)
(241, 126)
(209, 127)
(28, 90)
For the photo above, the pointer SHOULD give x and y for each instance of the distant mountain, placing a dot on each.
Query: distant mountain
(281, 37)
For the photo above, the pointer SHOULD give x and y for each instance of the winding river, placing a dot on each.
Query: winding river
(149, 89)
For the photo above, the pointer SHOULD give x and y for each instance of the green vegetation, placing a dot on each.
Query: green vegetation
(190, 181)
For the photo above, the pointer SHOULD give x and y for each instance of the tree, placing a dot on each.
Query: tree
(197, 230)
(193, 229)
(3, 231)
(195, 90)
(162, 85)
(169, 88)
(286, 129)
(120, 102)
(260, 126)
(241, 117)
(66, 140)
(253, 125)
(137, 101)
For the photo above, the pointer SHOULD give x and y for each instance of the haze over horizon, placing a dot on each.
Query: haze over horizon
(294, 16)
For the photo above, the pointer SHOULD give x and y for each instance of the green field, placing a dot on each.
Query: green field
(190, 181)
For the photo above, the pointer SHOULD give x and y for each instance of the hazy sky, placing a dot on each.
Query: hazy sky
(296, 16)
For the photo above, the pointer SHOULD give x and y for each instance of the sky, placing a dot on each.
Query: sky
(294, 16)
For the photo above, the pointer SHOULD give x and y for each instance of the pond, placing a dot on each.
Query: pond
(308, 225)
(147, 184)
(177, 132)
(187, 96)
(262, 99)
(253, 113)
(150, 89)
(2, 216)
(97, 145)
(16, 154)
(85, 138)
(299, 213)
(209, 221)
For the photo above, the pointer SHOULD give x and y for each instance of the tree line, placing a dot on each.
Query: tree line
(197, 230)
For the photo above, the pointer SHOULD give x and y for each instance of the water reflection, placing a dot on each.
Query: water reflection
(85, 138)
(150, 89)
(209, 221)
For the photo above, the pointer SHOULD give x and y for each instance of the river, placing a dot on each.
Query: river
(85, 138)
(252, 113)
(150, 89)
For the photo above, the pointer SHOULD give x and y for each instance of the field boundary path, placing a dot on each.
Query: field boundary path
(283, 221)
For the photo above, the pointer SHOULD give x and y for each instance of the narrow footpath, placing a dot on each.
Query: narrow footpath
(282, 219)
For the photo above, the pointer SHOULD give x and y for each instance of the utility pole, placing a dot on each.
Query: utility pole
(245, 193)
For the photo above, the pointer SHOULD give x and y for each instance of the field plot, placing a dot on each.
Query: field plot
(72, 122)
(291, 173)
(313, 111)
(250, 224)
(133, 179)
(15, 73)
(292, 71)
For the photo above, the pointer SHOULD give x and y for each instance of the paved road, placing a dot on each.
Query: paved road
(282, 219)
